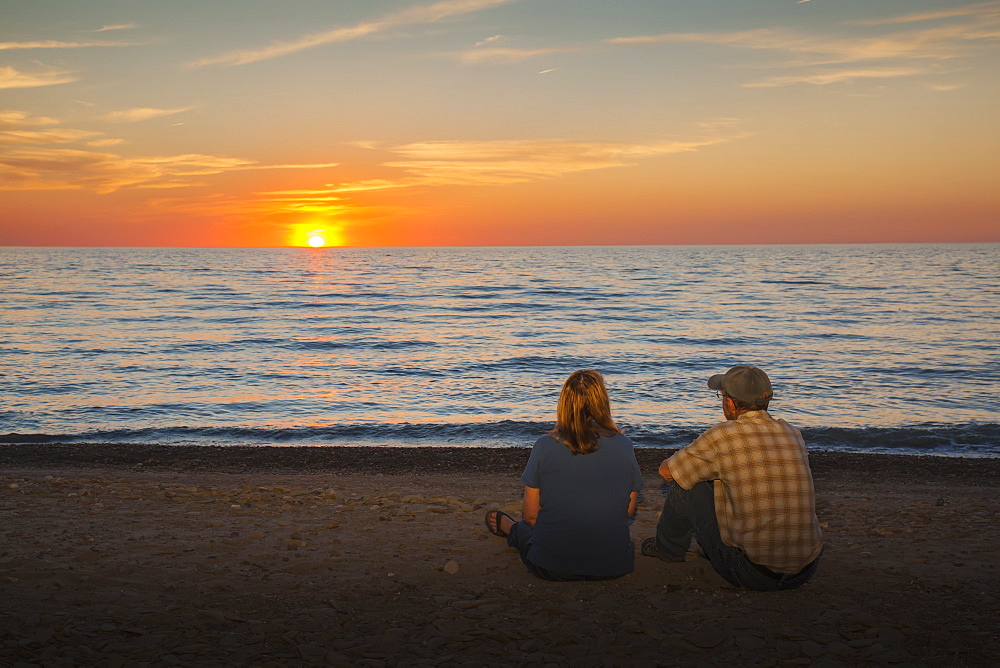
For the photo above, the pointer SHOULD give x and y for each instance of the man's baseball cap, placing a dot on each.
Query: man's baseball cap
(748, 385)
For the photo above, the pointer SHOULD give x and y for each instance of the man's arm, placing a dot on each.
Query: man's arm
(531, 504)
(665, 471)
(633, 503)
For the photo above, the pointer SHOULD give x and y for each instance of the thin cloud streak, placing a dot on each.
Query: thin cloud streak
(37, 164)
(120, 26)
(490, 40)
(56, 44)
(319, 165)
(985, 10)
(108, 141)
(422, 14)
(827, 78)
(34, 160)
(11, 78)
(945, 88)
(75, 169)
(941, 43)
(53, 136)
(227, 207)
(507, 55)
(808, 50)
(502, 162)
(12, 120)
(141, 114)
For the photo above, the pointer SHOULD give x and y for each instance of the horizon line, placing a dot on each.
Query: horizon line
(609, 245)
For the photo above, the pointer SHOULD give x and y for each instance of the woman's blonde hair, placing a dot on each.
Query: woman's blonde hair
(584, 412)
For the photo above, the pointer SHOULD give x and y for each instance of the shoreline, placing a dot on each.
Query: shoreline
(388, 459)
(182, 555)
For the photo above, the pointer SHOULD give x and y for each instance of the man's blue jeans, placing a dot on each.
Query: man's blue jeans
(693, 511)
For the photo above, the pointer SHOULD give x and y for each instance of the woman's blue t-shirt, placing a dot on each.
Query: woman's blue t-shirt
(583, 525)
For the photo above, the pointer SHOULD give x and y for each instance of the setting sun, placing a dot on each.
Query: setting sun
(314, 234)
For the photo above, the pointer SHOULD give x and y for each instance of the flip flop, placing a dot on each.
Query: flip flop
(498, 531)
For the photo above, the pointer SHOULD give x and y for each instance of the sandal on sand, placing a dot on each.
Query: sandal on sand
(649, 550)
(497, 514)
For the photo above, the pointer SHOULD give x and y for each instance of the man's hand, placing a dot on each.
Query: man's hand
(664, 471)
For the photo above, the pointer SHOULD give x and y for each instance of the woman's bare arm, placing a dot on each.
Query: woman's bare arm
(633, 503)
(531, 504)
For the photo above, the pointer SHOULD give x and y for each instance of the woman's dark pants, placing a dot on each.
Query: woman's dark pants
(519, 538)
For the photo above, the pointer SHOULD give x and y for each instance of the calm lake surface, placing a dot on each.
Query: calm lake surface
(888, 348)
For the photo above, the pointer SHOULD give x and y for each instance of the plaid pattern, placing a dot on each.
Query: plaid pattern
(764, 497)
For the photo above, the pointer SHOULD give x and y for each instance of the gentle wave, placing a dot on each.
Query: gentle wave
(967, 440)
(870, 347)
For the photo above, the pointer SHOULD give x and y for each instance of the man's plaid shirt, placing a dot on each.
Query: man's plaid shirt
(764, 497)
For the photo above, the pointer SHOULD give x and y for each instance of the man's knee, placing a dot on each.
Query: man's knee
(699, 500)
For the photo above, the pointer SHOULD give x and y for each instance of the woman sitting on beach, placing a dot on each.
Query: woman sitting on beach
(581, 488)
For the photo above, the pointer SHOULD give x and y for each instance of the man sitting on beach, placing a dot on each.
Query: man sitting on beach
(744, 488)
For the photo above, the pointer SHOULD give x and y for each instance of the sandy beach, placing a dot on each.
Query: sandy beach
(126, 555)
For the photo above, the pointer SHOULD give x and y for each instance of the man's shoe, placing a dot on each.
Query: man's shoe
(649, 550)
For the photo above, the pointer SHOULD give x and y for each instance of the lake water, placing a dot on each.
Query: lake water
(887, 348)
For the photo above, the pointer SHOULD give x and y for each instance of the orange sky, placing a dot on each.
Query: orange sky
(482, 122)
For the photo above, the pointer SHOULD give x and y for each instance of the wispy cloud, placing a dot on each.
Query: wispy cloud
(102, 172)
(421, 14)
(962, 30)
(260, 205)
(370, 185)
(118, 26)
(16, 120)
(513, 161)
(317, 165)
(51, 136)
(59, 169)
(945, 88)
(507, 55)
(58, 44)
(489, 40)
(141, 114)
(70, 169)
(982, 10)
(501, 162)
(300, 201)
(308, 194)
(11, 78)
(972, 25)
(106, 141)
(20, 127)
(819, 49)
(827, 78)
(34, 157)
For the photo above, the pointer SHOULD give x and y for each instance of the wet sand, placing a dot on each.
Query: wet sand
(145, 555)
